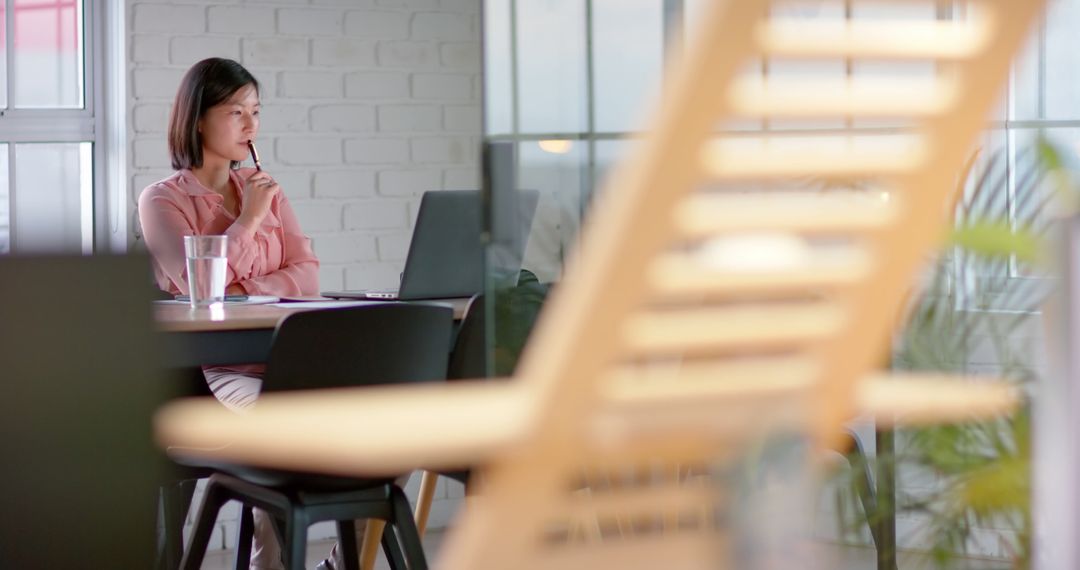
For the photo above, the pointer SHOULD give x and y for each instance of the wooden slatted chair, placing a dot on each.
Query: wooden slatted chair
(701, 306)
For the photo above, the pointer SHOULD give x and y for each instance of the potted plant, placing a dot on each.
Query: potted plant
(983, 290)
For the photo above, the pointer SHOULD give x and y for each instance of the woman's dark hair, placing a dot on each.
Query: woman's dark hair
(208, 83)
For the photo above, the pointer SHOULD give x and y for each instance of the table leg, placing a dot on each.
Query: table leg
(885, 517)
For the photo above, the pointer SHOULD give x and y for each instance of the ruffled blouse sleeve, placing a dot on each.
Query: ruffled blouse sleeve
(298, 273)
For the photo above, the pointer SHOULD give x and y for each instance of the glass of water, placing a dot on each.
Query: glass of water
(206, 263)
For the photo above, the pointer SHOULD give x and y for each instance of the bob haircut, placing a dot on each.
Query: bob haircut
(208, 83)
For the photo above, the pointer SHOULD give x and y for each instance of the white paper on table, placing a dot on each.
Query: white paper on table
(325, 304)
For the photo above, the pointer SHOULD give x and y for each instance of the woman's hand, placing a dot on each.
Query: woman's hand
(259, 192)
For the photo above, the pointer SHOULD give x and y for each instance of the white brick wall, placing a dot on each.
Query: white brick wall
(381, 25)
(366, 104)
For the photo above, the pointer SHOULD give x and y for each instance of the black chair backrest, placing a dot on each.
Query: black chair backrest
(468, 360)
(79, 383)
(359, 346)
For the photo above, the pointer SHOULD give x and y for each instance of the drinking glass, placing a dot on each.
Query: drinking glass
(206, 263)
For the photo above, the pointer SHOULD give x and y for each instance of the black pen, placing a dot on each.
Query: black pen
(254, 155)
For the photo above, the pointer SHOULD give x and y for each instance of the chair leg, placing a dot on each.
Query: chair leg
(162, 547)
(294, 550)
(213, 499)
(347, 543)
(187, 493)
(864, 483)
(405, 529)
(244, 533)
(279, 532)
(173, 526)
(393, 549)
(175, 504)
(372, 534)
(428, 483)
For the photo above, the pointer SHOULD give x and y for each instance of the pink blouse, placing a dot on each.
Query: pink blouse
(277, 260)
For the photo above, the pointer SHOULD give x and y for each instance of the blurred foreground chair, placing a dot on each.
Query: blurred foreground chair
(81, 379)
(715, 299)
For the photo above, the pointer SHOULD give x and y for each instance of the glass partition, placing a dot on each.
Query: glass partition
(567, 84)
(568, 87)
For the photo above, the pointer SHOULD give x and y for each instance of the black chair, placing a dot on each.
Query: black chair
(516, 311)
(360, 346)
(81, 380)
(468, 360)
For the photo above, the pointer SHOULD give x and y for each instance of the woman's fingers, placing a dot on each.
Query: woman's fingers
(262, 180)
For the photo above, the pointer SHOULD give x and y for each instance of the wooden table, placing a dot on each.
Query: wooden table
(238, 334)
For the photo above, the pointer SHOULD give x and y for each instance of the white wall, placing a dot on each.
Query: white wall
(366, 105)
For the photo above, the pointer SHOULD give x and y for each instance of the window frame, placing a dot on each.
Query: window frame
(99, 122)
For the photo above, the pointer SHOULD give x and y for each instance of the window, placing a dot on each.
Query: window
(1042, 99)
(53, 161)
(568, 81)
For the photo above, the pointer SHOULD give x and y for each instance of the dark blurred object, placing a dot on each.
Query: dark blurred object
(79, 385)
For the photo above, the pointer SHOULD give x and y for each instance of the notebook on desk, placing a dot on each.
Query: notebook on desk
(446, 255)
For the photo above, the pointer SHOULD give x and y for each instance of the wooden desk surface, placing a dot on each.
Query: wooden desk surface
(181, 318)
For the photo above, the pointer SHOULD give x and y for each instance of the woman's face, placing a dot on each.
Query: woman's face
(228, 126)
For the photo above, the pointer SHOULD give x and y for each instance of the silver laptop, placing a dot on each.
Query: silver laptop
(446, 254)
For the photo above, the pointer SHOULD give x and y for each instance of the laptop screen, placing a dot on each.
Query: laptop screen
(446, 254)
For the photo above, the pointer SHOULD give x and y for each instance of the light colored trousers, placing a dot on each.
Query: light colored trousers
(238, 392)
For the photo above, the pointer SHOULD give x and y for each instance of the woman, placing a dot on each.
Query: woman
(215, 114)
